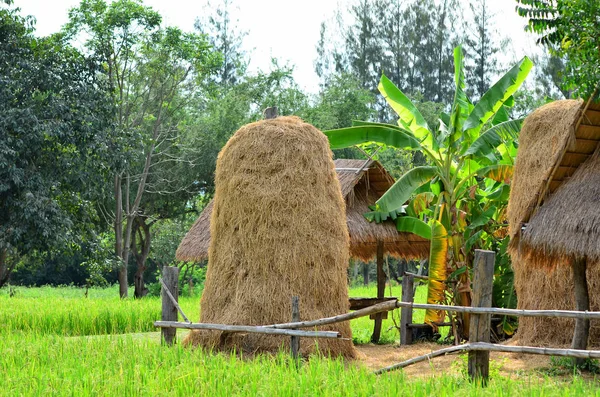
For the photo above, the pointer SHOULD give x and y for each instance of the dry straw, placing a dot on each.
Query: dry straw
(278, 230)
(362, 184)
(558, 166)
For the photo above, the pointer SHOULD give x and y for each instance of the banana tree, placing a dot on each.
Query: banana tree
(471, 144)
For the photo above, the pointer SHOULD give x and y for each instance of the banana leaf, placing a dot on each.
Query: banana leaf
(495, 136)
(413, 225)
(404, 188)
(499, 93)
(497, 172)
(437, 272)
(406, 110)
(381, 133)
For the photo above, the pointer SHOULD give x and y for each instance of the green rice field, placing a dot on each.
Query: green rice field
(55, 341)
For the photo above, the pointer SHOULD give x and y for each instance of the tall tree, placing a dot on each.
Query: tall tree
(226, 37)
(362, 51)
(481, 47)
(55, 141)
(152, 72)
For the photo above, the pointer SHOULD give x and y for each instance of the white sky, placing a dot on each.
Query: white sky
(284, 29)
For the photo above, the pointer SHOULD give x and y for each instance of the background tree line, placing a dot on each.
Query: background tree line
(108, 149)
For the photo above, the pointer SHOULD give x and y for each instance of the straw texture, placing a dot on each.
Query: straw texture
(360, 189)
(544, 134)
(279, 230)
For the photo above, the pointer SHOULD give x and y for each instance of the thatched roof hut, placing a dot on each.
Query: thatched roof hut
(362, 183)
(554, 215)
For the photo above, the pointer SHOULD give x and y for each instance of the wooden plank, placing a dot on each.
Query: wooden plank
(381, 278)
(592, 117)
(169, 295)
(585, 131)
(295, 340)
(406, 313)
(585, 146)
(573, 159)
(361, 303)
(479, 328)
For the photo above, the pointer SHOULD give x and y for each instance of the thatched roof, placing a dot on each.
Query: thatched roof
(553, 206)
(362, 183)
(568, 224)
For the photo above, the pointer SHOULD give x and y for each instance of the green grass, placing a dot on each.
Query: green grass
(45, 351)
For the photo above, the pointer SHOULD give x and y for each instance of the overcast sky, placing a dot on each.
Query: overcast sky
(284, 29)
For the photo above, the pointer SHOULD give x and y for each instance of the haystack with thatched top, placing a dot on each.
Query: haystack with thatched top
(278, 230)
(554, 216)
(362, 183)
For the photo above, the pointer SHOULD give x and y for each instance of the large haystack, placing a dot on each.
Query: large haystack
(278, 230)
(554, 217)
(363, 183)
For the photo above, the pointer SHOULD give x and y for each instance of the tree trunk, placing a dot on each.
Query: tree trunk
(118, 227)
(140, 289)
(582, 303)
(5, 269)
(366, 274)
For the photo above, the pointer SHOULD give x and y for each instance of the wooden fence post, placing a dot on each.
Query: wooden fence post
(406, 312)
(479, 329)
(170, 276)
(381, 279)
(295, 340)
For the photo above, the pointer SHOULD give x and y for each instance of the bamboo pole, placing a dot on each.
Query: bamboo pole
(425, 357)
(380, 307)
(483, 346)
(249, 328)
(546, 351)
(507, 312)
(173, 300)
(391, 305)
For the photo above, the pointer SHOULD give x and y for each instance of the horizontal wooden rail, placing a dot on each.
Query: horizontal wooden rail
(378, 308)
(507, 312)
(248, 328)
(482, 346)
(391, 305)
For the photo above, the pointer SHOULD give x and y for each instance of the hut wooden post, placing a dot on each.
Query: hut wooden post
(582, 303)
(270, 113)
(295, 340)
(479, 329)
(170, 278)
(381, 278)
(406, 312)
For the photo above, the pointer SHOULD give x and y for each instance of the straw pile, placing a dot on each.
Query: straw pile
(278, 230)
(539, 288)
(566, 226)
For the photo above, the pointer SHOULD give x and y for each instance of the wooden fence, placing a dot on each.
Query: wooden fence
(478, 348)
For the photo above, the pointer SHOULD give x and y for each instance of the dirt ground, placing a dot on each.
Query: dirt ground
(508, 364)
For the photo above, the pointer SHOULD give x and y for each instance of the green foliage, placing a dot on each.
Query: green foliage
(460, 156)
(565, 366)
(570, 29)
(56, 139)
